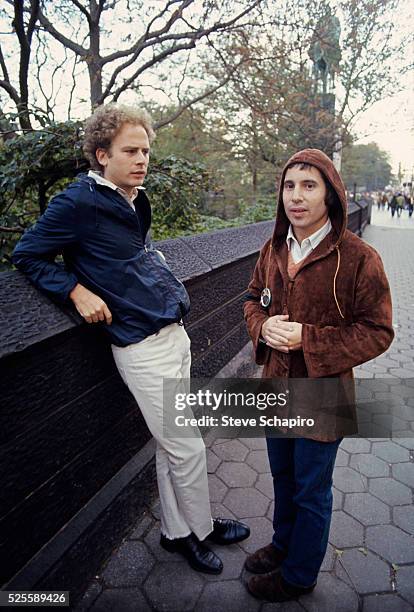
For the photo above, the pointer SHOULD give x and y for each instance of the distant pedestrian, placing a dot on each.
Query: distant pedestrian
(400, 204)
(393, 205)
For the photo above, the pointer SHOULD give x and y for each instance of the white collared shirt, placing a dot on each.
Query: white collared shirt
(300, 251)
(103, 181)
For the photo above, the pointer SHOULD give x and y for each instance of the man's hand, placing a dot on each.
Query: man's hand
(282, 334)
(89, 305)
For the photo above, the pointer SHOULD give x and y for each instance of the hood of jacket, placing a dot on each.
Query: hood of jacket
(337, 214)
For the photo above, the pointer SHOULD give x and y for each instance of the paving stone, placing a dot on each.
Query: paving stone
(173, 586)
(212, 461)
(391, 543)
(330, 594)
(232, 595)
(236, 474)
(129, 565)
(230, 450)
(271, 511)
(255, 443)
(345, 531)
(348, 480)
(369, 465)
(404, 517)
(156, 510)
(286, 606)
(404, 472)
(220, 511)
(366, 508)
(390, 491)
(338, 499)
(367, 572)
(143, 524)
(405, 583)
(152, 540)
(265, 484)
(342, 458)
(259, 461)
(390, 452)
(217, 488)
(390, 422)
(329, 559)
(127, 600)
(246, 502)
(385, 603)
(233, 558)
(261, 533)
(88, 598)
(405, 442)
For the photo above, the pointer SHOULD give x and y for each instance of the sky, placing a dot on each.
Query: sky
(390, 122)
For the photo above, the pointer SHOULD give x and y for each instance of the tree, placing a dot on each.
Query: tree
(84, 29)
(367, 166)
(272, 106)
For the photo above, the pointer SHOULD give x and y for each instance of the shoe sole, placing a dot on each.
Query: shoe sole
(194, 566)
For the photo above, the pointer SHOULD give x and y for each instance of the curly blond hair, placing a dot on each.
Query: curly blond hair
(105, 123)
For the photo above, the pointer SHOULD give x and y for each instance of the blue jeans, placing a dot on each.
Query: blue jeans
(302, 480)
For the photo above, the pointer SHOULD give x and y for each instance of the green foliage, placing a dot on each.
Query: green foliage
(37, 164)
(34, 165)
(367, 166)
(176, 187)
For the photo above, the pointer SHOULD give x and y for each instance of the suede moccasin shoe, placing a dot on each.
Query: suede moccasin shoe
(265, 560)
(273, 587)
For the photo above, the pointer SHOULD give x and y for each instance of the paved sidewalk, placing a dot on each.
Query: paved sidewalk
(369, 564)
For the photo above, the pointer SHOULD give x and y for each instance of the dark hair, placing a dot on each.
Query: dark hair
(331, 196)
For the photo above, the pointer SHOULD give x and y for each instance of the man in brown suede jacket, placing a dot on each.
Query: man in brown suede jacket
(318, 305)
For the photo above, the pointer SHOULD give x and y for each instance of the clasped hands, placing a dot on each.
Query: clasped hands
(281, 334)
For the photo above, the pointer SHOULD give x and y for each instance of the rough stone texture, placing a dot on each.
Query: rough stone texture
(366, 509)
(246, 502)
(385, 603)
(390, 452)
(231, 596)
(345, 531)
(404, 472)
(367, 572)
(391, 543)
(127, 600)
(129, 565)
(390, 491)
(404, 517)
(330, 594)
(236, 474)
(173, 586)
(369, 466)
(259, 461)
(405, 583)
(348, 480)
(230, 450)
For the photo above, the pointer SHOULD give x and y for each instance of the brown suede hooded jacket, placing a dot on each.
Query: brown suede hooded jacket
(340, 295)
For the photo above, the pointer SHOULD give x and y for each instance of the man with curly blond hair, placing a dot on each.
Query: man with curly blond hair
(117, 279)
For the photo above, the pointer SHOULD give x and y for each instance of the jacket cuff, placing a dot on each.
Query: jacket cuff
(260, 347)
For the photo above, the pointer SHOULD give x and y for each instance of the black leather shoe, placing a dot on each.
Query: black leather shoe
(227, 531)
(200, 558)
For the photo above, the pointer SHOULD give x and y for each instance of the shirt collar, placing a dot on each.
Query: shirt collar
(314, 239)
(97, 176)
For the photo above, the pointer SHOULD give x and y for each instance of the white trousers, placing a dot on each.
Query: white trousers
(180, 462)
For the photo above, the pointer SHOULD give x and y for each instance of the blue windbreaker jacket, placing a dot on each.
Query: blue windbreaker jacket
(107, 248)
